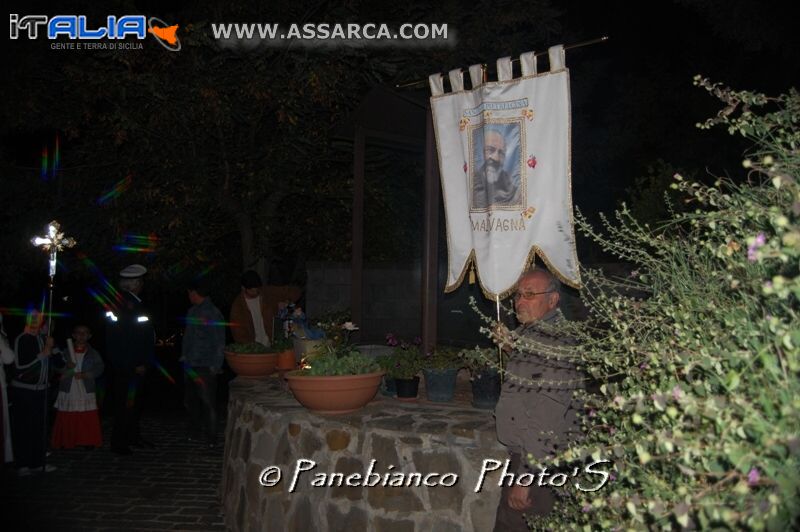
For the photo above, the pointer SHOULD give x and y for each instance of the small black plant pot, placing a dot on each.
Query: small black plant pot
(407, 389)
(485, 389)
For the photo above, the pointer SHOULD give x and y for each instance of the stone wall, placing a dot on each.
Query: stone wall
(390, 293)
(267, 427)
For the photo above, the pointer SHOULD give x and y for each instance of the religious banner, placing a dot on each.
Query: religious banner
(504, 159)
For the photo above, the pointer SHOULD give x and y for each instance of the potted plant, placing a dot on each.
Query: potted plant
(283, 347)
(388, 387)
(441, 369)
(336, 378)
(483, 364)
(250, 359)
(404, 365)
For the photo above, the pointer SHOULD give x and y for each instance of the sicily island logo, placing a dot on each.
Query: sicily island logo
(78, 28)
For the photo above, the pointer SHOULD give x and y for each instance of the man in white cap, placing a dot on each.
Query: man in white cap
(130, 340)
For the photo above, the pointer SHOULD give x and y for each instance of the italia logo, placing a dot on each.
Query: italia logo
(76, 27)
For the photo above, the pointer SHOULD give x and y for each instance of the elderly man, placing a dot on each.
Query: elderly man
(536, 414)
(130, 342)
(492, 185)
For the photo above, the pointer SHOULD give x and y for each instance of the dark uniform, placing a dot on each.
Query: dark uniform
(536, 418)
(130, 340)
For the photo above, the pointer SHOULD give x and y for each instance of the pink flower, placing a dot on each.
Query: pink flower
(759, 241)
(532, 161)
(677, 393)
(465, 168)
(753, 477)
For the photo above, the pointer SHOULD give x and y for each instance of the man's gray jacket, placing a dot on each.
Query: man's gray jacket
(533, 416)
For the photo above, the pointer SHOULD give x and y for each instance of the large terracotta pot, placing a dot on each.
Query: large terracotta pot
(252, 364)
(339, 394)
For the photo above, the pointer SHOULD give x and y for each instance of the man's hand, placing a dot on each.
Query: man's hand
(519, 498)
(70, 364)
(78, 375)
(502, 337)
(48, 346)
(140, 370)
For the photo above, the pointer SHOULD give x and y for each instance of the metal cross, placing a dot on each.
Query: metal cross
(52, 243)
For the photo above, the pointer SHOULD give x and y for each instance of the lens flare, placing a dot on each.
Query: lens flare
(205, 322)
(197, 379)
(44, 163)
(163, 371)
(19, 311)
(137, 243)
(57, 156)
(133, 388)
(107, 296)
(117, 190)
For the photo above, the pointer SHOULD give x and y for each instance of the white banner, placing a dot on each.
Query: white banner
(504, 158)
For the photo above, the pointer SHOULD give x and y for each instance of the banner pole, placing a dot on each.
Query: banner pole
(499, 346)
(423, 82)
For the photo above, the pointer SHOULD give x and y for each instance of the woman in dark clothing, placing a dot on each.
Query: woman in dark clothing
(28, 396)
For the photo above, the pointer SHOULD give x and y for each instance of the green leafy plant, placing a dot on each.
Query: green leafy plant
(338, 356)
(252, 348)
(442, 357)
(698, 351)
(354, 363)
(280, 344)
(480, 359)
(405, 362)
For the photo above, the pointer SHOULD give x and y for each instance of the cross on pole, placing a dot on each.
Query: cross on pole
(53, 242)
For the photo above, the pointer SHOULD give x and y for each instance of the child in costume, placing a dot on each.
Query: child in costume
(78, 420)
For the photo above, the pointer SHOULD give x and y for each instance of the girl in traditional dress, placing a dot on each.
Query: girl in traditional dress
(78, 421)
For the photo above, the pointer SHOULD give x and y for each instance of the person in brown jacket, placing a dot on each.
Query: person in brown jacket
(254, 309)
(536, 413)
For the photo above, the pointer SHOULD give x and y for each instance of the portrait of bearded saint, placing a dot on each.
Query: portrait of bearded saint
(492, 185)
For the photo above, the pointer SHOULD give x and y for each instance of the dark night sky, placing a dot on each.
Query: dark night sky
(633, 100)
(632, 97)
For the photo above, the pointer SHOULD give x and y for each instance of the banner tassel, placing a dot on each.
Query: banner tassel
(472, 274)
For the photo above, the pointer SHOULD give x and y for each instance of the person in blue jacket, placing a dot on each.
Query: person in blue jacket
(202, 357)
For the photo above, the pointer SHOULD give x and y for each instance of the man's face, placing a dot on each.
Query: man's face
(494, 150)
(531, 307)
(194, 297)
(251, 293)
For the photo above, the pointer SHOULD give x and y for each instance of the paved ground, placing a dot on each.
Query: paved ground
(172, 487)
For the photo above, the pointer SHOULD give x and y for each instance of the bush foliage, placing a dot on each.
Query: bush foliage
(698, 352)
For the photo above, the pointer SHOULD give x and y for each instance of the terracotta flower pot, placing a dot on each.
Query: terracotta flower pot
(286, 360)
(339, 394)
(252, 364)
